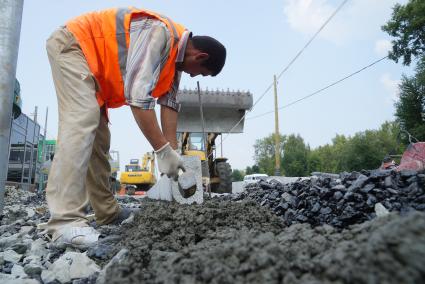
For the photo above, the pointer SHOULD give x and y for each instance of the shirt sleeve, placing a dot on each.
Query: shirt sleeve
(148, 50)
(170, 99)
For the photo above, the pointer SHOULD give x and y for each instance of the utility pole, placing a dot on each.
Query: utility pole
(10, 29)
(276, 131)
(35, 114)
(43, 145)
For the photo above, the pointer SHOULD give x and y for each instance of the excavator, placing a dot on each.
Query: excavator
(203, 117)
(139, 176)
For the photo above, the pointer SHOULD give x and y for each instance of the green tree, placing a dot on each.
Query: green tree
(237, 175)
(407, 27)
(264, 153)
(410, 108)
(294, 162)
(365, 150)
(252, 170)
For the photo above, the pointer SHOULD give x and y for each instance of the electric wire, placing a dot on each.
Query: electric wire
(288, 66)
(322, 89)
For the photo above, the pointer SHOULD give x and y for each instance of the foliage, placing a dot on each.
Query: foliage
(407, 27)
(237, 175)
(264, 153)
(294, 162)
(252, 170)
(410, 109)
(365, 150)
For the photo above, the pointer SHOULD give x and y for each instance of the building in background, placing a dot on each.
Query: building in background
(23, 156)
(49, 149)
(25, 138)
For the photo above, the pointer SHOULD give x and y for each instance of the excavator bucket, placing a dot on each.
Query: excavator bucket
(222, 110)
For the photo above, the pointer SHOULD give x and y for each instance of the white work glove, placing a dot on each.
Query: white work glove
(169, 161)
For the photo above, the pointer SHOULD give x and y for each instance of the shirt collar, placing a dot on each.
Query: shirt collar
(182, 46)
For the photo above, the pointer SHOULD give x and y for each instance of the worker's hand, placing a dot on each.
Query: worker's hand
(169, 161)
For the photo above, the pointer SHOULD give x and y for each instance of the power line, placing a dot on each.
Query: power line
(290, 64)
(322, 89)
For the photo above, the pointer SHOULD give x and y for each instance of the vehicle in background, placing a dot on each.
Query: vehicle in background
(205, 116)
(254, 178)
(139, 176)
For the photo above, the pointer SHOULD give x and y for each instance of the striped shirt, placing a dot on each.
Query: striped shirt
(147, 54)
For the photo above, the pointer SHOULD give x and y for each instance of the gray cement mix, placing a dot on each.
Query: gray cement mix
(242, 242)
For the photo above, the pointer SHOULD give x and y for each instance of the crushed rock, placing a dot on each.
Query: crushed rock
(241, 242)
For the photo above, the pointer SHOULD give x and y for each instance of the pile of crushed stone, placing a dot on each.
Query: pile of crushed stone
(341, 201)
(242, 242)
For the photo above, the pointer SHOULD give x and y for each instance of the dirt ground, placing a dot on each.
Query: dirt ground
(241, 242)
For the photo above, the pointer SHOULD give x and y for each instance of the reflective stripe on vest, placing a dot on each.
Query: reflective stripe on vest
(121, 40)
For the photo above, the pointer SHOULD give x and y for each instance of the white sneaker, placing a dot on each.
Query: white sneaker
(78, 237)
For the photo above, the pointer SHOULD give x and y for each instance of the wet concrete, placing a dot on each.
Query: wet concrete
(242, 242)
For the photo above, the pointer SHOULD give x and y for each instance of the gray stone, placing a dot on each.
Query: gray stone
(5, 277)
(38, 248)
(392, 190)
(11, 256)
(71, 265)
(388, 182)
(5, 228)
(48, 276)
(59, 271)
(339, 187)
(316, 207)
(287, 197)
(360, 181)
(26, 230)
(21, 281)
(368, 187)
(82, 266)
(380, 210)
(6, 242)
(20, 248)
(325, 210)
(338, 195)
(33, 259)
(117, 259)
(14, 208)
(18, 271)
(33, 269)
(30, 212)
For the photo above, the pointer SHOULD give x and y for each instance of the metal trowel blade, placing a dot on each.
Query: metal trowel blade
(187, 184)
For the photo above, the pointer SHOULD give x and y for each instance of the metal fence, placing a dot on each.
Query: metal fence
(24, 165)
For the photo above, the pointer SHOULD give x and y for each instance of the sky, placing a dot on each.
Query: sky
(261, 38)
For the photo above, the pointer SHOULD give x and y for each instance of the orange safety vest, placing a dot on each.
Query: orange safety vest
(104, 38)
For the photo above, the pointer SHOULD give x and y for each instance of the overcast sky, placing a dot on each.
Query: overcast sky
(261, 38)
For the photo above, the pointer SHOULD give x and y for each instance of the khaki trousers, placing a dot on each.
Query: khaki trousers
(80, 170)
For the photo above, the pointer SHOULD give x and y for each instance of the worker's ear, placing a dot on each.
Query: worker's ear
(202, 56)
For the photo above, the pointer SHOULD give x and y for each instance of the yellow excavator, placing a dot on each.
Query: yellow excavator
(203, 117)
(139, 176)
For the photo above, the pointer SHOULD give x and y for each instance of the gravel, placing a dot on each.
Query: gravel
(263, 235)
(349, 199)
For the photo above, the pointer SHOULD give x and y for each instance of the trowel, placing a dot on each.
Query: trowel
(187, 183)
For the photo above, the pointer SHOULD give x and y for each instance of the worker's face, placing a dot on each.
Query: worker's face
(192, 65)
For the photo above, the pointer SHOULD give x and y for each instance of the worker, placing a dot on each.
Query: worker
(108, 59)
